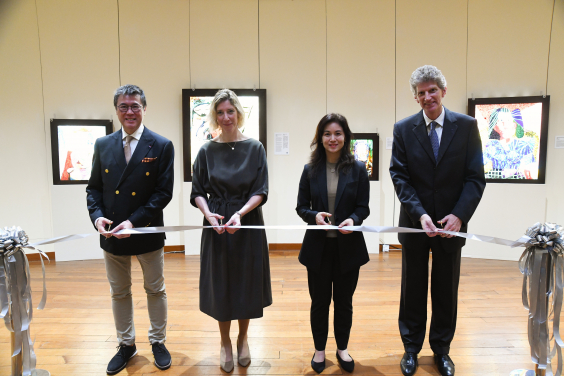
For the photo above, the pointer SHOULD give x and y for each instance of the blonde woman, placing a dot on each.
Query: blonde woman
(229, 186)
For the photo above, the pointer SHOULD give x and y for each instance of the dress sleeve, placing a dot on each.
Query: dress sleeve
(199, 178)
(260, 185)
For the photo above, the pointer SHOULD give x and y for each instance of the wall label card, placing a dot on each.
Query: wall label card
(282, 143)
(389, 142)
(559, 142)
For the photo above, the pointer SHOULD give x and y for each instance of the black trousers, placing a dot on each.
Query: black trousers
(330, 281)
(445, 276)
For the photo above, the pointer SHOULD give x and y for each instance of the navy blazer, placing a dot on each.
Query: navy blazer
(138, 191)
(451, 185)
(351, 201)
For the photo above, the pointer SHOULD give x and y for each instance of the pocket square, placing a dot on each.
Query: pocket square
(148, 160)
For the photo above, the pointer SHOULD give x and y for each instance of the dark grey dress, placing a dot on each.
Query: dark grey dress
(234, 268)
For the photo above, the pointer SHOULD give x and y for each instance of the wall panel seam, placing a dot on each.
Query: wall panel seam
(45, 140)
(549, 45)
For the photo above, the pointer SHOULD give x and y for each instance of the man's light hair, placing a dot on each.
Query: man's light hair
(427, 73)
(222, 96)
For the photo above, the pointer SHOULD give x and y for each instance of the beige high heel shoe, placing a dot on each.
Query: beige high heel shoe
(244, 361)
(226, 366)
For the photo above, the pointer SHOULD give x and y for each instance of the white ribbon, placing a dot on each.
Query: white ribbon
(521, 242)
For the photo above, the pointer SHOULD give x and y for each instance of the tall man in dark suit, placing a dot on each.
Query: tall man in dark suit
(438, 174)
(130, 185)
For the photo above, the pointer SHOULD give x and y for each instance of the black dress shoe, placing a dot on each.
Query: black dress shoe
(119, 361)
(444, 364)
(347, 366)
(408, 363)
(317, 367)
(162, 356)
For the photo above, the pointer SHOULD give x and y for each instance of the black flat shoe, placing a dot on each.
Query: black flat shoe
(317, 367)
(408, 363)
(347, 366)
(444, 364)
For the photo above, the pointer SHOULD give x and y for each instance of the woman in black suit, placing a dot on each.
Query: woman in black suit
(333, 188)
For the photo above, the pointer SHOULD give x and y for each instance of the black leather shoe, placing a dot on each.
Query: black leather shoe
(317, 367)
(444, 364)
(119, 361)
(408, 363)
(162, 356)
(347, 366)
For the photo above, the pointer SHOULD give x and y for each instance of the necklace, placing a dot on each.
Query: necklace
(332, 167)
(232, 147)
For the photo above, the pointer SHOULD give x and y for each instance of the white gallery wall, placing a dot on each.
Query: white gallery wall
(64, 59)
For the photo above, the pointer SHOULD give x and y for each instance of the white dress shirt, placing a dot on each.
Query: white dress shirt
(438, 128)
(136, 136)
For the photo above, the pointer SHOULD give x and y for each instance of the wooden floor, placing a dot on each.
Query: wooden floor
(75, 334)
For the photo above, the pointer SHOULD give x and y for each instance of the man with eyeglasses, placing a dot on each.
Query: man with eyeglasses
(130, 185)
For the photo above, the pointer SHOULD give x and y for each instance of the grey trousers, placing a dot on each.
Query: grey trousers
(118, 270)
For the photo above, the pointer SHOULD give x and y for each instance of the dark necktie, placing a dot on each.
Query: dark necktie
(434, 140)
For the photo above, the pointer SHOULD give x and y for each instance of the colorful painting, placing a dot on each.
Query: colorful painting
(364, 148)
(200, 132)
(76, 148)
(510, 139)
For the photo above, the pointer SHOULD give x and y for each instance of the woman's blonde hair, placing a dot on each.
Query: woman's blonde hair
(220, 97)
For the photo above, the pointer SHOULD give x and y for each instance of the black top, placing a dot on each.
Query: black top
(353, 194)
(234, 268)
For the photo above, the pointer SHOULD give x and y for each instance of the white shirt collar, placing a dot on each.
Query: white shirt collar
(440, 120)
(136, 135)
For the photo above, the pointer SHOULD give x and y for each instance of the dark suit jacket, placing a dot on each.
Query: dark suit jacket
(452, 185)
(353, 194)
(137, 191)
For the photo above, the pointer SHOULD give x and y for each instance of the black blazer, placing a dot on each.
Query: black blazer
(452, 185)
(138, 191)
(353, 194)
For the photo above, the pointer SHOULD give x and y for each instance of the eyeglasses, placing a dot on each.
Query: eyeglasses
(125, 108)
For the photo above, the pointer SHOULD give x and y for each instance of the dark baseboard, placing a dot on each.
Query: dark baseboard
(35, 256)
(284, 246)
(272, 247)
(174, 249)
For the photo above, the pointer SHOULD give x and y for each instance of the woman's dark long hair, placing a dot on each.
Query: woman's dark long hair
(318, 154)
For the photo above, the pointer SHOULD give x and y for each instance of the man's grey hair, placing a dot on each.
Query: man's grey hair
(427, 73)
(130, 90)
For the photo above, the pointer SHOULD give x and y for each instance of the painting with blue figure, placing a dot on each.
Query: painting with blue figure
(510, 139)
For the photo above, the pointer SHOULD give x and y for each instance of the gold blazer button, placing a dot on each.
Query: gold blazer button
(147, 174)
(133, 193)
(107, 171)
(117, 192)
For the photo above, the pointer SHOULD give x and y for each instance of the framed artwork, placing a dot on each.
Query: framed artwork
(72, 148)
(195, 125)
(365, 148)
(514, 132)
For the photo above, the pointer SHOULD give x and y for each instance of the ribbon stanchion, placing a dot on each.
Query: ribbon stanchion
(542, 266)
(15, 299)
